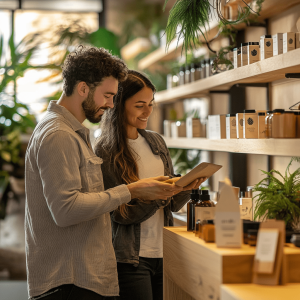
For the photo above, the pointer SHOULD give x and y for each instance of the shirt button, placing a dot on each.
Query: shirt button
(163, 202)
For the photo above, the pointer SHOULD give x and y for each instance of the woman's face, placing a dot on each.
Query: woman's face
(138, 108)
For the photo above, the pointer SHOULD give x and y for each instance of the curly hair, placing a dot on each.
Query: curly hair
(91, 65)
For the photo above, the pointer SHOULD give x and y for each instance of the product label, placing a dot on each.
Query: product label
(228, 229)
(246, 209)
(266, 249)
(206, 213)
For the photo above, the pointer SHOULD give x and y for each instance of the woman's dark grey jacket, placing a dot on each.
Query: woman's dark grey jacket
(126, 231)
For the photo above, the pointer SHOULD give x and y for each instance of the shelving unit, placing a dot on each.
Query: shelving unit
(278, 147)
(267, 70)
(270, 8)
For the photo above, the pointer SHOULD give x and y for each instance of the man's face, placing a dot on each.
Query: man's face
(100, 99)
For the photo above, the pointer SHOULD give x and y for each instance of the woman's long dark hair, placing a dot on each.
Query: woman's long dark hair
(113, 137)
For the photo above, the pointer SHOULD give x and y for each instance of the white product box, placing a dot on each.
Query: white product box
(231, 126)
(217, 127)
(277, 43)
(289, 41)
(193, 127)
(266, 47)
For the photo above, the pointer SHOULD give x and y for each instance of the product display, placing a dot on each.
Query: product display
(266, 47)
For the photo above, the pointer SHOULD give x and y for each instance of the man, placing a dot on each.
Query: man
(68, 233)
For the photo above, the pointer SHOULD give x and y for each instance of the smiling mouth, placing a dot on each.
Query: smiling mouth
(143, 120)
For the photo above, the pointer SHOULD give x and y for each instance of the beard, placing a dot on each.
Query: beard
(90, 109)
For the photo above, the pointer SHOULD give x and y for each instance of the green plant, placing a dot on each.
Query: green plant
(184, 159)
(279, 198)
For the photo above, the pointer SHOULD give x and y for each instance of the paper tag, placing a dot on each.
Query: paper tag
(266, 248)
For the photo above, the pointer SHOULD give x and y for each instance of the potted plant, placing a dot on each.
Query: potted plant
(279, 198)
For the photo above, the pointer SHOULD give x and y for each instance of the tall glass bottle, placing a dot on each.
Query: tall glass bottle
(195, 196)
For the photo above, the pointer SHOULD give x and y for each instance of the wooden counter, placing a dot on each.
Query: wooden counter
(194, 269)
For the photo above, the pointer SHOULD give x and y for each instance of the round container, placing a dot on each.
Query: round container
(276, 122)
(288, 130)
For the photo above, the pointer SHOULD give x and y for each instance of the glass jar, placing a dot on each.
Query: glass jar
(268, 126)
(288, 120)
(252, 237)
(275, 122)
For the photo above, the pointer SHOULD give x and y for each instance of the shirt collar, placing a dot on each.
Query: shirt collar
(73, 122)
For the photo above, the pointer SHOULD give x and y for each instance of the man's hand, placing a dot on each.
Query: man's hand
(153, 188)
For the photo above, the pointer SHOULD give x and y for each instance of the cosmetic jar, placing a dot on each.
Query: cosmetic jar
(252, 237)
(288, 130)
(276, 122)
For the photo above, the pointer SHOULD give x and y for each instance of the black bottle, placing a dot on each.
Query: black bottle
(195, 197)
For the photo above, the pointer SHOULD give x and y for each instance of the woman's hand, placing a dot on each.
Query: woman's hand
(195, 184)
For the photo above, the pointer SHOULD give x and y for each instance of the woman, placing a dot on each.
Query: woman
(131, 153)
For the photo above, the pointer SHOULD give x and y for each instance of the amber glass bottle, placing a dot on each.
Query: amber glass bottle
(195, 196)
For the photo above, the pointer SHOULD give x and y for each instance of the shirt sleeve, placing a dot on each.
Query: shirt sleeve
(58, 160)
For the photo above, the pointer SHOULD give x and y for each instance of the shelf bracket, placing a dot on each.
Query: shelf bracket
(292, 75)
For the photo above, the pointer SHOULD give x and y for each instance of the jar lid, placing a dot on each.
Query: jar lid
(244, 44)
(269, 111)
(231, 115)
(195, 194)
(249, 111)
(278, 110)
(289, 112)
(261, 114)
(297, 113)
(205, 195)
(267, 36)
(253, 43)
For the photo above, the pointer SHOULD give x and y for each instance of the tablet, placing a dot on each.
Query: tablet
(202, 170)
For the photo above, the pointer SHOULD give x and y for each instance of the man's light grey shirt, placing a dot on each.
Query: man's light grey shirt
(67, 224)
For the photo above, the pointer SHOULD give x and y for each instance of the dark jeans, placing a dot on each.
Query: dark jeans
(144, 282)
(70, 292)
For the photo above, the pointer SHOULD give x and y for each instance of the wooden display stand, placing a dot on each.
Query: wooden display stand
(196, 270)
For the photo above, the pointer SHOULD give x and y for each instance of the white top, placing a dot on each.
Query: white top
(149, 165)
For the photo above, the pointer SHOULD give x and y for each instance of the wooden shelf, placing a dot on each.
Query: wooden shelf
(267, 70)
(278, 147)
(259, 292)
(270, 8)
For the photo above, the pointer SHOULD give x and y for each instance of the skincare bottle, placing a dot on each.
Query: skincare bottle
(266, 47)
(250, 124)
(205, 209)
(181, 75)
(195, 196)
(246, 210)
(276, 122)
(253, 52)
(198, 72)
(235, 58)
(187, 78)
(244, 54)
(262, 125)
(288, 41)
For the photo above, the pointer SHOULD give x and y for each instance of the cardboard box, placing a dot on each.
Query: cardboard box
(240, 125)
(244, 54)
(277, 43)
(250, 125)
(231, 126)
(289, 41)
(217, 127)
(193, 127)
(253, 53)
(266, 47)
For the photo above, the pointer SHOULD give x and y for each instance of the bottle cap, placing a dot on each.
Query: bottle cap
(269, 111)
(267, 36)
(288, 112)
(249, 111)
(195, 195)
(205, 195)
(253, 43)
(261, 114)
(278, 110)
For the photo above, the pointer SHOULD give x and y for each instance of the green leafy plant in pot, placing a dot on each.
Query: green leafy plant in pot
(279, 198)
